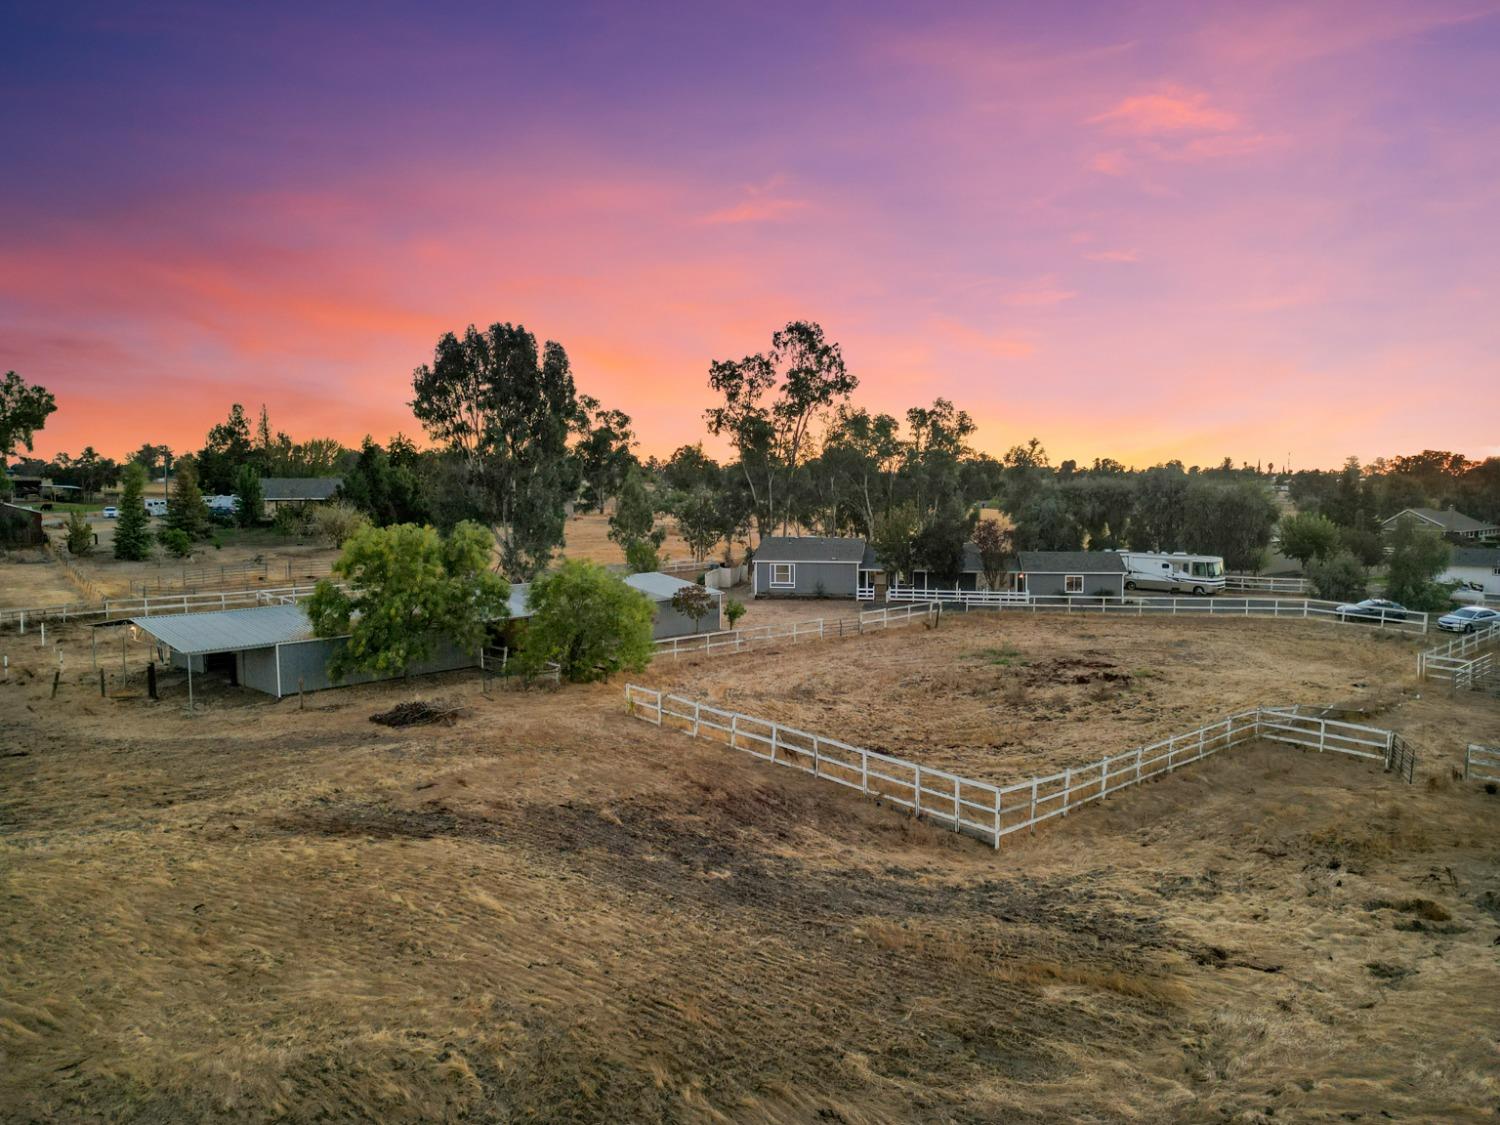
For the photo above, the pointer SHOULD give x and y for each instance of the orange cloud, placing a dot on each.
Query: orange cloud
(1173, 110)
(971, 339)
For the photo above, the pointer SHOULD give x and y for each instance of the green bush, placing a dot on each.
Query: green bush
(734, 609)
(178, 543)
(1339, 578)
(588, 622)
(80, 535)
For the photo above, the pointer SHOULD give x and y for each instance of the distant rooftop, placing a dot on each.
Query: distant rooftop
(299, 488)
(809, 548)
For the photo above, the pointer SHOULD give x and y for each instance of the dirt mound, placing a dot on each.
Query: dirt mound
(420, 712)
(1078, 670)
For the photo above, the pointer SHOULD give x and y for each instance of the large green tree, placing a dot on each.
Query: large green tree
(634, 519)
(227, 448)
(1308, 536)
(504, 412)
(1417, 556)
(187, 511)
(397, 592)
(770, 401)
(23, 411)
(132, 533)
(588, 622)
(1234, 521)
(249, 498)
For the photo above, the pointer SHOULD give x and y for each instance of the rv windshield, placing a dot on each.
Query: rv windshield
(1207, 569)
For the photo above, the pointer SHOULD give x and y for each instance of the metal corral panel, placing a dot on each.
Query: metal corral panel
(228, 630)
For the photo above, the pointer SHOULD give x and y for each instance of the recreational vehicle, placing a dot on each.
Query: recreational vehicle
(1177, 572)
(156, 507)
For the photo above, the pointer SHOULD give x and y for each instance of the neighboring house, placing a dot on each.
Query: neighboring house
(1446, 520)
(811, 566)
(297, 491)
(1476, 569)
(970, 578)
(1049, 573)
(24, 486)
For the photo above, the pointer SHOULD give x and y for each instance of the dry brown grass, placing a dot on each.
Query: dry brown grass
(552, 911)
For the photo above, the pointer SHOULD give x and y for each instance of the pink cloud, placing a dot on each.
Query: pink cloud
(1172, 110)
(1114, 256)
(1004, 346)
(1041, 294)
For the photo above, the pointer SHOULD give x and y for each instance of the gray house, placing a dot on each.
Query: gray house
(1446, 520)
(1049, 573)
(812, 566)
(297, 491)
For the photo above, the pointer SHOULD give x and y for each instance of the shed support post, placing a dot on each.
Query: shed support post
(190, 683)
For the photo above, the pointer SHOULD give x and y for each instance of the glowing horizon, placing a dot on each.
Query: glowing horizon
(1171, 231)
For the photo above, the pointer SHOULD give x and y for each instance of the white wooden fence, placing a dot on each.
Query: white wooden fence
(1253, 582)
(820, 628)
(991, 811)
(1482, 763)
(1448, 660)
(1140, 606)
(112, 608)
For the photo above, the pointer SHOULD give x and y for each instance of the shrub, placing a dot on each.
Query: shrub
(1338, 578)
(734, 609)
(332, 524)
(178, 543)
(80, 535)
(641, 556)
(587, 621)
(290, 521)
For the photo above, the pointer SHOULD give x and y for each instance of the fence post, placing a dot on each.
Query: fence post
(1067, 788)
(998, 800)
(697, 714)
(1032, 820)
(916, 790)
(956, 805)
(864, 770)
(1103, 778)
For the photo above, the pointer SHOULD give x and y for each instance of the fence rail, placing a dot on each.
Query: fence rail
(990, 811)
(1482, 763)
(1446, 661)
(1309, 608)
(819, 628)
(1251, 582)
(112, 608)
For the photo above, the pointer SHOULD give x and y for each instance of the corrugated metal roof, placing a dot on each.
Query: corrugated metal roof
(228, 630)
(659, 587)
(809, 548)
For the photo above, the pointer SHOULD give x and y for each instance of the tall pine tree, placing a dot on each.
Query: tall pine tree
(132, 535)
(187, 512)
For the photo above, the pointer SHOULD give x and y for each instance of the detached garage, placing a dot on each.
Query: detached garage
(268, 648)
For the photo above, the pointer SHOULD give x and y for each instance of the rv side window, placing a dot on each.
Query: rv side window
(781, 574)
(1073, 584)
(1166, 566)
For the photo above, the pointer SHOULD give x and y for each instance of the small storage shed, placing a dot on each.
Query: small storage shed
(1073, 573)
(672, 622)
(297, 491)
(807, 566)
(268, 648)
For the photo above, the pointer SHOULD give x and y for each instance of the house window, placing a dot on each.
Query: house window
(1073, 584)
(782, 576)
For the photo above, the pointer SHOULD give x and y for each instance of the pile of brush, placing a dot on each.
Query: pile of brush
(420, 712)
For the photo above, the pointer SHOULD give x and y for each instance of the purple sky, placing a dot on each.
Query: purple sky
(1139, 231)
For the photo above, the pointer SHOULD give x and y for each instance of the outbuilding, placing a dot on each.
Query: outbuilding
(1071, 573)
(269, 648)
(1475, 569)
(810, 566)
(297, 492)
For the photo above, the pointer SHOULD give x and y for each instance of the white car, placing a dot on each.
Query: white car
(111, 513)
(1468, 619)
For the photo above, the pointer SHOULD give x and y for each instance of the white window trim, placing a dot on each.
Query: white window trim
(1068, 584)
(791, 576)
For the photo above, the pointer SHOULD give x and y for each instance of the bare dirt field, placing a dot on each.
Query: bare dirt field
(1006, 696)
(588, 538)
(552, 911)
(31, 577)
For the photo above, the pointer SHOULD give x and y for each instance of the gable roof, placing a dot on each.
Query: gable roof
(228, 630)
(299, 488)
(1070, 562)
(1446, 518)
(1474, 556)
(661, 587)
(810, 548)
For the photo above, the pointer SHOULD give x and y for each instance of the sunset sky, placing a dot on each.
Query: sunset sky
(1141, 231)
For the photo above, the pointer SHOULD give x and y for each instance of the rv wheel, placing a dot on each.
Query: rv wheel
(1198, 590)
(1130, 585)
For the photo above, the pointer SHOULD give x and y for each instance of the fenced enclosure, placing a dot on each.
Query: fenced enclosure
(1449, 660)
(820, 628)
(1140, 606)
(989, 811)
(1482, 763)
(111, 609)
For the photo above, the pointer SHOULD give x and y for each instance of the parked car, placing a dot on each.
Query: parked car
(111, 513)
(1468, 619)
(1373, 609)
